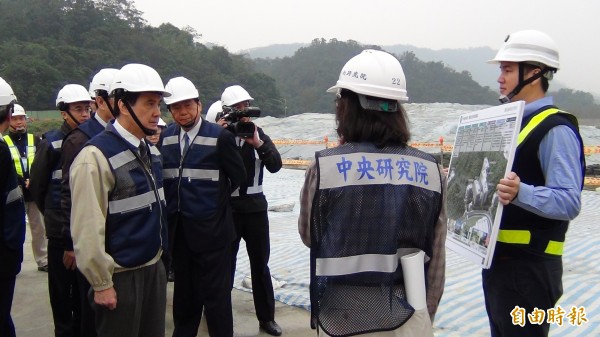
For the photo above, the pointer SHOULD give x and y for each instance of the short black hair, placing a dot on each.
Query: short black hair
(126, 96)
(5, 110)
(527, 67)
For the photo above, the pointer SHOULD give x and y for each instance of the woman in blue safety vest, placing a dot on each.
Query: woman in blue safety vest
(367, 203)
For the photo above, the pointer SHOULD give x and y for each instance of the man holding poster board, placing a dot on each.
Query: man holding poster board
(541, 194)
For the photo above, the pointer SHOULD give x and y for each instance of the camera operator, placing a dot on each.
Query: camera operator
(249, 203)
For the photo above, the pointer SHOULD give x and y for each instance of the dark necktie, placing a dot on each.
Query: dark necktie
(143, 148)
(186, 142)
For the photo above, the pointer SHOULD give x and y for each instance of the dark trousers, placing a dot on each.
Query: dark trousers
(88, 326)
(254, 229)
(141, 304)
(202, 282)
(523, 283)
(10, 266)
(64, 293)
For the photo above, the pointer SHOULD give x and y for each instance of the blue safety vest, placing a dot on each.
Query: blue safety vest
(192, 181)
(524, 234)
(371, 207)
(135, 228)
(55, 139)
(91, 127)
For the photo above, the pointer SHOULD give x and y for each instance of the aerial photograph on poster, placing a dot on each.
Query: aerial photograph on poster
(483, 153)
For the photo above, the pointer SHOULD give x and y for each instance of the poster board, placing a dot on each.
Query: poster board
(484, 150)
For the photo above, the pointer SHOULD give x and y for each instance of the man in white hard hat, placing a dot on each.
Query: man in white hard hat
(213, 111)
(72, 144)
(540, 196)
(249, 206)
(202, 166)
(118, 219)
(12, 217)
(22, 147)
(368, 203)
(73, 102)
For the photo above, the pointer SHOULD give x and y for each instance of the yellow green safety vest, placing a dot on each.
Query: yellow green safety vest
(523, 236)
(16, 156)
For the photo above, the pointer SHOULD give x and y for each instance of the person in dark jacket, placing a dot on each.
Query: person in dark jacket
(73, 101)
(249, 206)
(22, 147)
(72, 144)
(202, 166)
(12, 217)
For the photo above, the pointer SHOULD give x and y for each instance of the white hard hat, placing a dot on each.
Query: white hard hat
(18, 111)
(135, 77)
(7, 95)
(215, 108)
(73, 93)
(233, 95)
(529, 46)
(373, 73)
(181, 89)
(161, 123)
(102, 80)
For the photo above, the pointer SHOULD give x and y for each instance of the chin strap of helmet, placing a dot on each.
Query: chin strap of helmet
(193, 121)
(19, 130)
(68, 111)
(522, 83)
(120, 96)
(104, 96)
(145, 130)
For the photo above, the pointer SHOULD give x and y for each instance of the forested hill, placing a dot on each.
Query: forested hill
(304, 77)
(46, 44)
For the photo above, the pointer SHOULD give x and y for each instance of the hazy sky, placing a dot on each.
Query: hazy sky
(238, 25)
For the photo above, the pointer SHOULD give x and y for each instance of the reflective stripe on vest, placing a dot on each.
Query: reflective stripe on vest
(523, 236)
(188, 173)
(57, 174)
(57, 144)
(534, 122)
(14, 195)
(16, 156)
(347, 265)
(135, 202)
(256, 187)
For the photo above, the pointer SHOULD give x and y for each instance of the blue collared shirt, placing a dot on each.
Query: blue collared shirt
(560, 198)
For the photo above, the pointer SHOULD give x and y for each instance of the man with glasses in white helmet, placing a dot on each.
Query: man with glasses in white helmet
(73, 102)
(22, 145)
(118, 220)
(202, 166)
(12, 217)
(369, 202)
(249, 206)
(540, 196)
(72, 144)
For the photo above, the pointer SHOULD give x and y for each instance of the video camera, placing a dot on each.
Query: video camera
(233, 116)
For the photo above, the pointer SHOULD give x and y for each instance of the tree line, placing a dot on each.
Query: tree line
(46, 44)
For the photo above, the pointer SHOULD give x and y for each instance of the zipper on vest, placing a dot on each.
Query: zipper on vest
(150, 179)
(179, 185)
